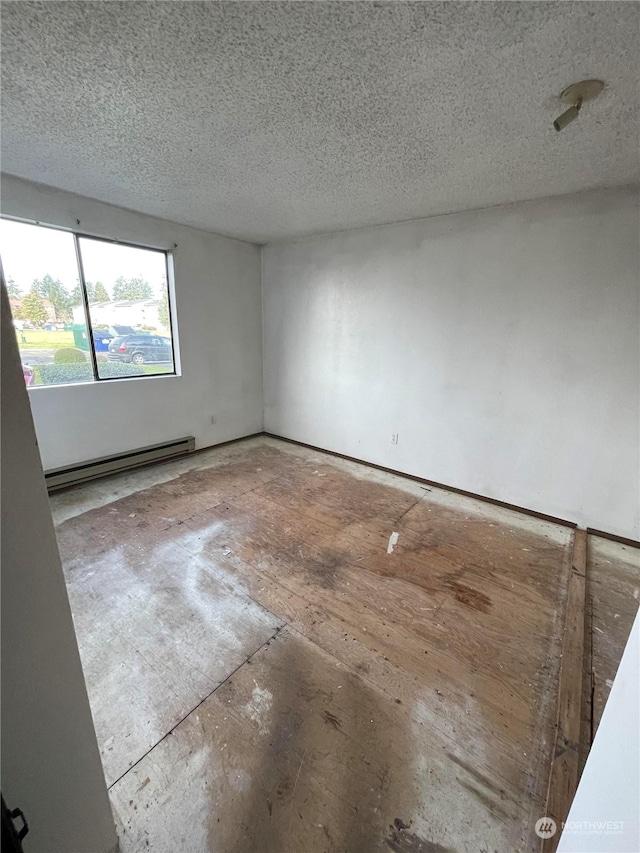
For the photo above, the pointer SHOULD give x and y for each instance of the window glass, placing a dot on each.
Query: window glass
(41, 273)
(128, 297)
(52, 275)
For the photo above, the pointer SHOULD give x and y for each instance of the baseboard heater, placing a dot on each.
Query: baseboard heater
(71, 475)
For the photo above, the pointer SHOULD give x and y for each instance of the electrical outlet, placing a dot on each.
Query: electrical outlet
(394, 438)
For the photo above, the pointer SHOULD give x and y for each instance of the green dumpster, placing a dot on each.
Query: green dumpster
(80, 336)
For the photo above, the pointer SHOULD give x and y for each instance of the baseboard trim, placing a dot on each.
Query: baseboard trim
(633, 543)
(591, 531)
(494, 501)
(228, 441)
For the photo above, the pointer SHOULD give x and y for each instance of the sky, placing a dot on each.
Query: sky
(31, 251)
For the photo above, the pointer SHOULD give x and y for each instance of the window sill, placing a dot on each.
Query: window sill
(98, 382)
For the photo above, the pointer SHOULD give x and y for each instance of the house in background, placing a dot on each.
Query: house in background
(142, 313)
(49, 307)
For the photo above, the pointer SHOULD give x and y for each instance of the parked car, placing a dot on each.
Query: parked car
(28, 373)
(140, 349)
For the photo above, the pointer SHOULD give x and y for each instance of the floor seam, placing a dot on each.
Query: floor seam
(236, 586)
(227, 499)
(195, 707)
(415, 503)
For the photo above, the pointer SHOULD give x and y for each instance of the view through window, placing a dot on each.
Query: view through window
(54, 276)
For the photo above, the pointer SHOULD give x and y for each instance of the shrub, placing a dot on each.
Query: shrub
(113, 369)
(63, 374)
(69, 355)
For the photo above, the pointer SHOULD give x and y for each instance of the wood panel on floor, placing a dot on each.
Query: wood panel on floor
(373, 618)
(296, 753)
(160, 506)
(418, 578)
(156, 633)
(450, 642)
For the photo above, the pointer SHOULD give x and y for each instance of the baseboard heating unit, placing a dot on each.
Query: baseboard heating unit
(71, 475)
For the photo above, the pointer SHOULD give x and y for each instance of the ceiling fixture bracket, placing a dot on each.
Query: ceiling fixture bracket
(576, 94)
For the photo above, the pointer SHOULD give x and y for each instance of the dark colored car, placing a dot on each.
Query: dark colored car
(140, 349)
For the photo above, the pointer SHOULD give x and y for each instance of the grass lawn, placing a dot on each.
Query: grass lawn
(38, 339)
(148, 369)
(157, 368)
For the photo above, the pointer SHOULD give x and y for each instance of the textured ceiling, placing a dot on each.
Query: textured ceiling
(265, 120)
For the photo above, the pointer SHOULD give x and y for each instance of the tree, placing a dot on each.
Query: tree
(101, 293)
(163, 311)
(33, 308)
(55, 291)
(14, 291)
(76, 294)
(132, 288)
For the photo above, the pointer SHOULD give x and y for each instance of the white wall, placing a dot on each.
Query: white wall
(218, 303)
(50, 761)
(501, 344)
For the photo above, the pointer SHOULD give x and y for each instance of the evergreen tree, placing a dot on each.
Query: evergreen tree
(76, 294)
(55, 291)
(163, 311)
(132, 288)
(33, 309)
(13, 290)
(101, 293)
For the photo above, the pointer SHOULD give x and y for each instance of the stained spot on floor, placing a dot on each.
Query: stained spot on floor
(331, 719)
(400, 840)
(471, 597)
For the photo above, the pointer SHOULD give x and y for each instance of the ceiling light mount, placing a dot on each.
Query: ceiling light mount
(575, 95)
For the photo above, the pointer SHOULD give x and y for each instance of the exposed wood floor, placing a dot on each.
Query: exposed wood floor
(266, 674)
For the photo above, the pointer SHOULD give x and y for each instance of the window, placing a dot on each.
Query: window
(86, 309)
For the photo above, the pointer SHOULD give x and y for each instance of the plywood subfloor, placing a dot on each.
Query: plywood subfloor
(267, 674)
